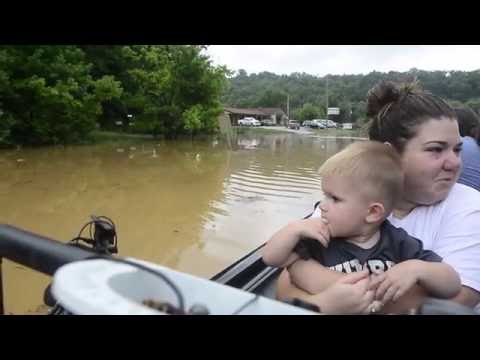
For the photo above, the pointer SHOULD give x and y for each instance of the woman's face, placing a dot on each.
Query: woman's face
(431, 161)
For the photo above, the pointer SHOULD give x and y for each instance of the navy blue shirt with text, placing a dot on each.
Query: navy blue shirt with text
(394, 246)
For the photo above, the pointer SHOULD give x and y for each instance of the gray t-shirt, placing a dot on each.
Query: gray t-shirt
(394, 246)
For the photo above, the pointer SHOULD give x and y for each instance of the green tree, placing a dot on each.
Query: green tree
(169, 89)
(248, 90)
(474, 104)
(346, 112)
(309, 112)
(48, 94)
(359, 112)
(272, 98)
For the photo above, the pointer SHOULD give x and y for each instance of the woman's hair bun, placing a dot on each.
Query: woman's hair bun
(387, 92)
(380, 95)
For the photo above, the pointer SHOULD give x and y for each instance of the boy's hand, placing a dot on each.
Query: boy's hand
(315, 228)
(395, 282)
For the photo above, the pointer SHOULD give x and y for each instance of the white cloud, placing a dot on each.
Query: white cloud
(345, 59)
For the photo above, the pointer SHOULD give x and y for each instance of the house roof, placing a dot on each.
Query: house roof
(244, 111)
(271, 111)
(254, 111)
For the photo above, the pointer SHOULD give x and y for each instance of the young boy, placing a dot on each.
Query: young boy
(349, 232)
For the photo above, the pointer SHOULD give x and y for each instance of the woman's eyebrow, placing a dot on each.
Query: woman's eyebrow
(436, 142)
(442, 143)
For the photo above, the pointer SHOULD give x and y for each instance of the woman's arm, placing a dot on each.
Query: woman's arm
(348, 295)
(467, 296)
(438, 278)
(286, 289)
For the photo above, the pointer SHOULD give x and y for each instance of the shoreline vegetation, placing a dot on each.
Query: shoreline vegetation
(60, 94)
(99, 137)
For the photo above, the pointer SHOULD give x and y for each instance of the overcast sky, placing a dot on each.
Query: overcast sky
(345, 59)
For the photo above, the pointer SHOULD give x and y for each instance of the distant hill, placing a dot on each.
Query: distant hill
(307, 93)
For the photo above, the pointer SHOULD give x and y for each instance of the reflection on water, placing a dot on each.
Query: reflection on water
(195, 206)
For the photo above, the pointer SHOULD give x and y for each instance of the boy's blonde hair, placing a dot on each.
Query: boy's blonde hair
(373, 168)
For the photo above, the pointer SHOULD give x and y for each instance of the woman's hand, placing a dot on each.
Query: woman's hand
(348, 295)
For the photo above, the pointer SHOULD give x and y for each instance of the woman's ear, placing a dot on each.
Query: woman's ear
(376, 213)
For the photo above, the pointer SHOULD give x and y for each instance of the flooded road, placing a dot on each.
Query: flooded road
(195, 206)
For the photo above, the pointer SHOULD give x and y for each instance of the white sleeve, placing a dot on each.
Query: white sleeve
(459, 242)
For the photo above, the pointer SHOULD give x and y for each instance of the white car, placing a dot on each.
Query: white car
(326, 123)
(268, 122)
(249, 121)
(317, 124)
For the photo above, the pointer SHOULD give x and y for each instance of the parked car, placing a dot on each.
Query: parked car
(326, 123)
(268, 122)
(331, 124)
(311, 124)
(293, 124)
(317, 124)
(307, 123)
(243, 122)
(249, 121)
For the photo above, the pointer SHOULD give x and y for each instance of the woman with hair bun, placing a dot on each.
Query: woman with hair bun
(434, 208)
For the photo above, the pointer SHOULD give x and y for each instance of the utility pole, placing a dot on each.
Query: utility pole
(326, 110)
(288, 106)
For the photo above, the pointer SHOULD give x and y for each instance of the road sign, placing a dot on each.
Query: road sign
(333, 111)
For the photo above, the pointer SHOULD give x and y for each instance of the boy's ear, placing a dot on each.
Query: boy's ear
(376, 212)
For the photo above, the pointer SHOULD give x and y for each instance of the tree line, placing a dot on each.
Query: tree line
(308, 93)
(60, 94)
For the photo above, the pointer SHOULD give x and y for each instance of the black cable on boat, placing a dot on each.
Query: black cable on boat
(104, 237)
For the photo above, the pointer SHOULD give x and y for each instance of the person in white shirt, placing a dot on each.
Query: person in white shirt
(434, 208)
